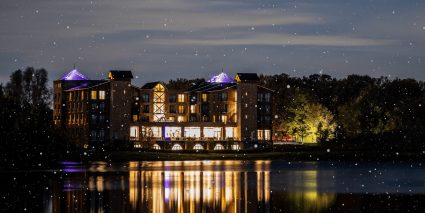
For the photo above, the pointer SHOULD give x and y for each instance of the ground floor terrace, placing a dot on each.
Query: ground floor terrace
(176, 145)
(187, 136)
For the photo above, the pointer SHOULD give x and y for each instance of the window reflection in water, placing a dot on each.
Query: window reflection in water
(197, 186)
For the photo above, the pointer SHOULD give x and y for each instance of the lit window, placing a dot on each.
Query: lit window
(180, 98)
(212, 132)
(172, 132)
(260, 135)
(94, 95)
(192, 132)
(181, 109)
(198, 147)
(101, 95)
(134, 133)
(204, 97)
(180, 119)
(235, 147)
(224, 118)
(229, 132)
(267, 134)
(192, 108)
(82, 95)
(156, 147)
(177, 147)
(218, 147)
(153, 132)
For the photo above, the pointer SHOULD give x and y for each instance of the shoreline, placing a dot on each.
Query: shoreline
(120, 156)
(291, 155)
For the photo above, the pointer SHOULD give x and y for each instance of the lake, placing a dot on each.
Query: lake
(217, 186)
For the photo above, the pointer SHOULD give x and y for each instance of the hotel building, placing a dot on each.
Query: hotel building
(222, 113)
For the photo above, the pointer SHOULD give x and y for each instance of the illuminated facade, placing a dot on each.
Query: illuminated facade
(218, 114)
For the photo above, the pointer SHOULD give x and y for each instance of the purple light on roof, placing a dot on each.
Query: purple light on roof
(221, 78)
(74, 75)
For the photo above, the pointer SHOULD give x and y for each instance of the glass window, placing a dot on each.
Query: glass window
(198, 147)
(145, 108)
(260, 97)
(172, 108)
(154, 131)
(102, 107)
(180, 98)
(267, 97)
(101, 135)
(134, 132)
(192, 108)
(181, 109)
(93, 135)
(173, 132)
(101, 95)
(212, 132)
(224, 109)
(172, 98)
(229, 132)
(224, 118)
(235, 147)
(145, 97)
(204, 97)
(260, 135)
(224, 96)
(93, 95)
(192, 132)
(180, 118)
(267, 134)
(156, 147)
(177, 147)
(218, 147)
(93, 118)
(101, 119)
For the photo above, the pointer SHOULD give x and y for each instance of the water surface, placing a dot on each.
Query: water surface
(217, 186)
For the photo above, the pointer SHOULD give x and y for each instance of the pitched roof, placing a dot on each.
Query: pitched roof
(246, 77)
(120, 75)
(74, 75)
(150, 85)
(210, 86)
(87, 84)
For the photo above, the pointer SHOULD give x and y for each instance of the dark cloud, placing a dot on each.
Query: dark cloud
(163, 39)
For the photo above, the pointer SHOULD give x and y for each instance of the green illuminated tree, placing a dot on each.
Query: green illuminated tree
(309, 121)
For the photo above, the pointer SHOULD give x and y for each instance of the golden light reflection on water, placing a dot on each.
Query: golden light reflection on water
(178, 190)
(207, 186)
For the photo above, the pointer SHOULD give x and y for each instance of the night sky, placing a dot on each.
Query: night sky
(163, 39)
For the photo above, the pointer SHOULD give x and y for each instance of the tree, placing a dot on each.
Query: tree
(310, 121)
